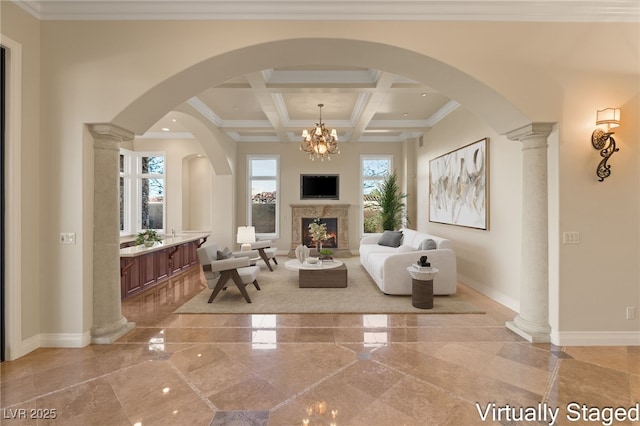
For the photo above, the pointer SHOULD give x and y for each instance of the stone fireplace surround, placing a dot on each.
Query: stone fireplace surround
(339, 211)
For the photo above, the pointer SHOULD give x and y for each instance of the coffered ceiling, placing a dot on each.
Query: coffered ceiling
(363, 105)
(275, 105)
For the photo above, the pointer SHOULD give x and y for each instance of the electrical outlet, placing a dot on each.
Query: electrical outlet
(571, 238)
(631, 312)
(67, 238)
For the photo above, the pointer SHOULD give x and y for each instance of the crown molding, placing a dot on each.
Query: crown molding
(381, 10)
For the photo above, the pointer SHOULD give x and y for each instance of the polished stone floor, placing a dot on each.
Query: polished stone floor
(316, 370)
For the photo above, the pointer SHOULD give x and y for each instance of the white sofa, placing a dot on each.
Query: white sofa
(388, 265)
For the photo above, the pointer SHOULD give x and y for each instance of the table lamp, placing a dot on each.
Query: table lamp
(246, 236)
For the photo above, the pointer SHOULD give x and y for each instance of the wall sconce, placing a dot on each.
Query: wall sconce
(601, 140)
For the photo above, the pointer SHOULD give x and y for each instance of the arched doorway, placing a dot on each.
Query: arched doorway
(470, 92)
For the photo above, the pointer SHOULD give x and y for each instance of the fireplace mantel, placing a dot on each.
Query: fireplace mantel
(339, 211)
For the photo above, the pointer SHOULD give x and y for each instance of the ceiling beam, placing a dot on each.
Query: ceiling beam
(383, 85)
(259, 85)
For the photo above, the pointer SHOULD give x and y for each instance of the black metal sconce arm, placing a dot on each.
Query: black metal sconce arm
(599, 140)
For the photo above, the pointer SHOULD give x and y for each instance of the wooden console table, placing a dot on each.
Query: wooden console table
(145, 267)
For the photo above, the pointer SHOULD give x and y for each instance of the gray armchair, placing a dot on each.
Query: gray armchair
(266, 252)
(237, 267)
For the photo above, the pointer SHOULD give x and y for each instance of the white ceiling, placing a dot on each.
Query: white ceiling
(363, 105)
(275, 105)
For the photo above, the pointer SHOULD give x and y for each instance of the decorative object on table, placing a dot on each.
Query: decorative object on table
(458, 186)
(312, 260)
(320, 142)
(325, 254)
(424, 261)
(423, 264)
(319, 233)
(602, 140)
(148, 237)
(246, 235)
(302, 253)
(390, 203)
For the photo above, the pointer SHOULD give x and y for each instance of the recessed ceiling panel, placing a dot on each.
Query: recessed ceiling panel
(404, 105)
(304, 106)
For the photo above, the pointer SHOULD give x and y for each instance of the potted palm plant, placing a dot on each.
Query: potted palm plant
(391, 203)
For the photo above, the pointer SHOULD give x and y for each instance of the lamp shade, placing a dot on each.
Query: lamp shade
(608, 116)
(246, 234)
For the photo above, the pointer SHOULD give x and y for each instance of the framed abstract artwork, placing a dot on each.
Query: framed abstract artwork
(459, 186)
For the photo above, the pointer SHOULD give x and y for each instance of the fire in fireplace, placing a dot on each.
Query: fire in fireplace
(332, 231)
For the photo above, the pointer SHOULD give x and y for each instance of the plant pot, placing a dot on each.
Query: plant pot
(149, 243)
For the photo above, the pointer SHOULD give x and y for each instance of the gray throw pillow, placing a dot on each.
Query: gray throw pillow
(224, 254)
(427, 244)
(390, 238)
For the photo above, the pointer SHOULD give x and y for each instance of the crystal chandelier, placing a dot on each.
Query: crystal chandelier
(319, 142)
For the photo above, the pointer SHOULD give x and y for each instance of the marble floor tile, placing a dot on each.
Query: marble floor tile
(280, 370)
(241, 418)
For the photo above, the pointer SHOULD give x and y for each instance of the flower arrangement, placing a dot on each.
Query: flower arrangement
(318, 231)
(147, 237)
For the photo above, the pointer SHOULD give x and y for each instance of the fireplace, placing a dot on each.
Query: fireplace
(335, 215)
(332, 232)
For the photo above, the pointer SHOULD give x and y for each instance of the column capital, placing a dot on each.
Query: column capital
(529, 131)
(110, 131)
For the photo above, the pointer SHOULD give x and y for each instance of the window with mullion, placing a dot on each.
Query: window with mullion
(125, 192)
(373, 170)
(142, 191)
(263, 206)
(151, 195)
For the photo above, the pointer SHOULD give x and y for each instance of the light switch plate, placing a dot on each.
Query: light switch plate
(571, 238)
(67, 238)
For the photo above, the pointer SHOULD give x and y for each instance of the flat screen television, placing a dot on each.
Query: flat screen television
(320, 186)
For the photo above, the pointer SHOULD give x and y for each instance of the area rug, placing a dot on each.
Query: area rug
(280, 294)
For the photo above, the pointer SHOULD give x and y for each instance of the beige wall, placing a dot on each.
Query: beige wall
(20, 33)
(599, 278)
(293, 162)
(503, 73)
(487, 260)
(197, 193)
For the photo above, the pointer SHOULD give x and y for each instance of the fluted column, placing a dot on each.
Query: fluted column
(108, 322)
(532, 322)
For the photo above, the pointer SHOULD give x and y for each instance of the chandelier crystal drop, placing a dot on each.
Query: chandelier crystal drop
(320, 142)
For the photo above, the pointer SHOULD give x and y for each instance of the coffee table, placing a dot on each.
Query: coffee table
(324, 274)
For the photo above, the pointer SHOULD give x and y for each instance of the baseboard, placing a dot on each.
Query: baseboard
(595, 338)
(65, 340)
(491, 293)
(561, 338)
(25, 347)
